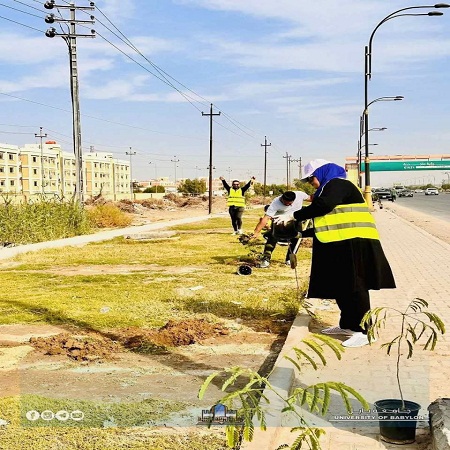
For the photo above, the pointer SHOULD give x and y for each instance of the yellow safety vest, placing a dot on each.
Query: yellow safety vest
(236, 198)
(346, 222)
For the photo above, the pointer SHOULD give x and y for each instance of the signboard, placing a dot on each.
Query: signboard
(399, 166)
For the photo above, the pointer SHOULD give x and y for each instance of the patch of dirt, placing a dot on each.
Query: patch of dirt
(173, 334)
(78, 348)
(135, 364)
(122, 269)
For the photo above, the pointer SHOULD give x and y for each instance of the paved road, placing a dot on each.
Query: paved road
(434, 205)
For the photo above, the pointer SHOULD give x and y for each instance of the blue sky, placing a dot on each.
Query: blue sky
(289, 69)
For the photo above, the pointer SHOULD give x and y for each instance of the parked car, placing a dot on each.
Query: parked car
(431, 191)
(406, 193)
(418, 191)
(383, 193)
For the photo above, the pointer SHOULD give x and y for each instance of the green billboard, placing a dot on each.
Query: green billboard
(399, 166)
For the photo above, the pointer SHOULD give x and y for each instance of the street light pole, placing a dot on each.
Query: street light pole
(368, 76)
(359, 148)
(367, 189)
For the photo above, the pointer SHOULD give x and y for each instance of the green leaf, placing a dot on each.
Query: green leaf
(316, 348)
(206, 383)
(332, 343)
(301, 354)
(410, 349)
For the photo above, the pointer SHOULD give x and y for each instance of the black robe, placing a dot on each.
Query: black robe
(343, 267)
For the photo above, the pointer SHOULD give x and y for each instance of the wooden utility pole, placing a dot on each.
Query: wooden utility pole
(210, 114)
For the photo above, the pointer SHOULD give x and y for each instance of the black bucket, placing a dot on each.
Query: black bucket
(244, 269)
(397, 425)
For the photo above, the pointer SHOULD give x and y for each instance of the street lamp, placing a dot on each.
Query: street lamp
(359, 158)
(368, 76)
(358, 154)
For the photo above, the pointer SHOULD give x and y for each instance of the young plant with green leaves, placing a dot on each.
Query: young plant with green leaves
(251, 399)
(417, 324)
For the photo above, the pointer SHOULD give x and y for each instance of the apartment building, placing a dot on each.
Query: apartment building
(30, 171)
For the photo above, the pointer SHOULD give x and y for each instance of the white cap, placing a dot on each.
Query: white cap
(309, 168)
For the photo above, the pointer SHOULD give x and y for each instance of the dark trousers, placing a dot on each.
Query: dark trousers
(271, 243)
(236, 216)
(353, 307)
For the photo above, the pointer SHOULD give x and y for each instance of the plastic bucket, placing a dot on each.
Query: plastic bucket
(397, 425)
(244, 269)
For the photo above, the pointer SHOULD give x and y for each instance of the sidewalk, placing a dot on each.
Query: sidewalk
(421, 266)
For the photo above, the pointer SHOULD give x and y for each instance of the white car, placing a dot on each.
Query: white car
(431, 191)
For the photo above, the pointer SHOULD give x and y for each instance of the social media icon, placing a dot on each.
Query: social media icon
(47, 415)
(62, 415)
(77, 415)
(32, 415)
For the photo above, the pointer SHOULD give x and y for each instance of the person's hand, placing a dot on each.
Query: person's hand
(254, 236)
(253, 178)
(283, 219)
(221, 178)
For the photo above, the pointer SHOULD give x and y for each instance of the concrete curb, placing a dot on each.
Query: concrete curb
(281, 378)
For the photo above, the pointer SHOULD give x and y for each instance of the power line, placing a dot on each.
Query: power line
(24, 12)
(21, 24)
(29, 6)
(98, 118)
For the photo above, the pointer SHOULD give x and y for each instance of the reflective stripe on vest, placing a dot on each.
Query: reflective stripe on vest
(236, 198)
(346, 222)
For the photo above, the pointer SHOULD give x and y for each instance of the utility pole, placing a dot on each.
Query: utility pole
(288, 168)
(299, 167)
(40, 135)
(71, 41)
(210, 154)
(265, 145)
(130, 153)
(229, 173)
(175, 161)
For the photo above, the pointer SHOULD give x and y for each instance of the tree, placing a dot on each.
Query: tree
(277, 189)
(155, 190)
(306, 187)
(192, 186)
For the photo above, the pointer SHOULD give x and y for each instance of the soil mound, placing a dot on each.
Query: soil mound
(173, 334)
(82, 348)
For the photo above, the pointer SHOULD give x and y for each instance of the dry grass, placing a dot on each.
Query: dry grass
(108, 215)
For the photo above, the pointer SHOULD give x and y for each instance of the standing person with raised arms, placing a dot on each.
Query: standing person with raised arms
(236, 202)
(347, 257)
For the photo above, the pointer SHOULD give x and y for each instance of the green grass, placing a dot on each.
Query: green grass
(40, 290)
(90, 434)
(155, 294)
